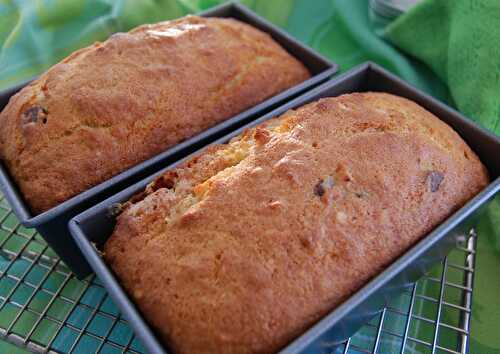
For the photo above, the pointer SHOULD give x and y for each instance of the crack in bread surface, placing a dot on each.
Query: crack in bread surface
(232, 155)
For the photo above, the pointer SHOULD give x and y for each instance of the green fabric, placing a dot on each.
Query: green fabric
(447, 51)
(486, 304)
(459, 41)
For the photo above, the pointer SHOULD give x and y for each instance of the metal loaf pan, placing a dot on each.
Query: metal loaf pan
(52, 224)
(92, 228)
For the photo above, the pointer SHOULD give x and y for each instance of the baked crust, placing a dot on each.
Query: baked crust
(248, 244)
(114, 104)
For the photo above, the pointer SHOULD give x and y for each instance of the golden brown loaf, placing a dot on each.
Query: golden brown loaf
(109, 106)
(243, 247)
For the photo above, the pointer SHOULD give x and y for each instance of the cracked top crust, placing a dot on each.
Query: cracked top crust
(242, 248)
(114, 104)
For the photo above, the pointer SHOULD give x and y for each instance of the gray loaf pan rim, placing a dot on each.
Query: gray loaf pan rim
(91, 228)
(52, 224)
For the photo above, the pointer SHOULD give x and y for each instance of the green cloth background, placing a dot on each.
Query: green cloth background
(451, 51)
(459, 40)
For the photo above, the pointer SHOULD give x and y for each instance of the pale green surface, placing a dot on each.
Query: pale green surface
(35, 34)
(11, 349)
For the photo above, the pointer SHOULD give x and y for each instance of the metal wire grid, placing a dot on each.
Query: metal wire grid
(45, 308)
(432, 316)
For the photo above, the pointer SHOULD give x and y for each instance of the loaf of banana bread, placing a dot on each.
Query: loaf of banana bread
(114, 104)
(245, 246)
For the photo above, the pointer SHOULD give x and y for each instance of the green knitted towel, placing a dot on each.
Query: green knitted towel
(459, 40)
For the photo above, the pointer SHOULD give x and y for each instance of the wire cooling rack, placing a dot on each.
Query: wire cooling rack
(46, 309)
(432, 316)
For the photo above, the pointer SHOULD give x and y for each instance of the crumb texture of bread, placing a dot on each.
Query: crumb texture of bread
(245, 246)
(114, 104)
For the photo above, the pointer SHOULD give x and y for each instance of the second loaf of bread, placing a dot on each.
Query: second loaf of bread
(243, 247)
(114, 104)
